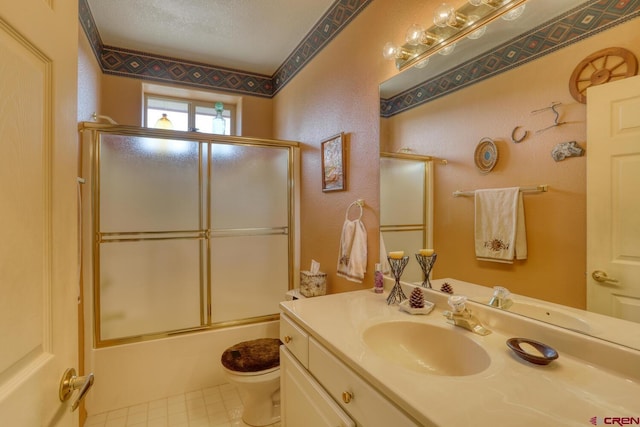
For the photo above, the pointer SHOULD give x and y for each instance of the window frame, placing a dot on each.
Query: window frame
(192, 105)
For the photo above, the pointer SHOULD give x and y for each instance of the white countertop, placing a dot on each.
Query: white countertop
(510, 392)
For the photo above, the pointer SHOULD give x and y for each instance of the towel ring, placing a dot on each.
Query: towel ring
(359, 203)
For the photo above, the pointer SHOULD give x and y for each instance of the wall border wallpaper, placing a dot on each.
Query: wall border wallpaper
(577, 24)
(147, 66)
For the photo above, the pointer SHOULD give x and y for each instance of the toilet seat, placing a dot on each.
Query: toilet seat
(251, 374)
(254, 357)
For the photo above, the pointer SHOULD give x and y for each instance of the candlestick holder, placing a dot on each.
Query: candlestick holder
(426, 263)
(397, 267)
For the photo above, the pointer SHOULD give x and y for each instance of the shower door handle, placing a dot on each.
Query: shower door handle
(70, 382)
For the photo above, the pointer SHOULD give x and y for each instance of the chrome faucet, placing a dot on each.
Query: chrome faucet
(500, 298)
(461, 316)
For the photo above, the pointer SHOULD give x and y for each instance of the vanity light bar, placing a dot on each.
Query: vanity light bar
(439, 37)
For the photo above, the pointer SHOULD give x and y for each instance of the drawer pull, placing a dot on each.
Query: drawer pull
(287, 339)
(346, 396)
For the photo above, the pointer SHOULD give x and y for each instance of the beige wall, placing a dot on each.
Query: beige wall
(452, 126)
(338, 92)
(123, 101)
(89, 79)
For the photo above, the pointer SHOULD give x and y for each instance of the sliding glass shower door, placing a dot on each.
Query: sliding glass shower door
(189, 234)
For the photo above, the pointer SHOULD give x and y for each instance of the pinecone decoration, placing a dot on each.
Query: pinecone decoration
(446, 288)
(416, 300)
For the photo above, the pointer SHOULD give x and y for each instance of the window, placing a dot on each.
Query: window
(186, 114)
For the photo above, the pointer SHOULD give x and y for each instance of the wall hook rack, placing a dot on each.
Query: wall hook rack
(556, 121)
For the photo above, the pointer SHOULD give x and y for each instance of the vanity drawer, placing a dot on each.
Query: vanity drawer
(295, 339)
(359, 399)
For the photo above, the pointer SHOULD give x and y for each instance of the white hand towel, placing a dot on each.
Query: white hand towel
(352, 258)
(500, 233)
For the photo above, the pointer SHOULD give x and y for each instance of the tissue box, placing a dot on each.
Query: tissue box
(312, 285)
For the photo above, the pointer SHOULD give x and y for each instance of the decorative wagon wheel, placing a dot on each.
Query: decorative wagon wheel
(600, 67)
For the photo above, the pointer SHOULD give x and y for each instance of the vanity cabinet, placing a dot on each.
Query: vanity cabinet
(303, 402)
(295, 339)
(327, 378)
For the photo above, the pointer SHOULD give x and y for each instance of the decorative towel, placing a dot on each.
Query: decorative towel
(500, 233)
(352, 259)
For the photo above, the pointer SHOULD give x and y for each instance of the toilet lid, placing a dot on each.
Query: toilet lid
(252, 356)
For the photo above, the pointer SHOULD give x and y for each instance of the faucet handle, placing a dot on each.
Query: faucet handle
(457, 303)
(501, 298)
(501, 292)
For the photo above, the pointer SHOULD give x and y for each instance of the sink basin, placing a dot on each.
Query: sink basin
(427, 348)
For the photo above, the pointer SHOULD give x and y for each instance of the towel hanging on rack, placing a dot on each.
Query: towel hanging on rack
(500, 233)
(352, 256)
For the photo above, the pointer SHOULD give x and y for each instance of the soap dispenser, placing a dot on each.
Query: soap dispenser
(378, 280)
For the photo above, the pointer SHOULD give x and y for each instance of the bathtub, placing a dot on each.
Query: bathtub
(130, 374)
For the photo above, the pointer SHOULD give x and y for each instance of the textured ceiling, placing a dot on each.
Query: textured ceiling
(248, 35)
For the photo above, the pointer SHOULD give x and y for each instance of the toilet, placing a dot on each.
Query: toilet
(254, 368)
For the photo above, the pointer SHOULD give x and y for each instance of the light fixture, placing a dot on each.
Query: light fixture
(449, 27)
(417, 35)
(219, 124)
(446, 15)
(392, 51)
(514, 14)
(479, 32)
(492, 3)
(447, 50)
(422, 64)
(163, 122)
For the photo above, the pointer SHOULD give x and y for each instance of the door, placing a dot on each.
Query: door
(613, 205)
(38, 217)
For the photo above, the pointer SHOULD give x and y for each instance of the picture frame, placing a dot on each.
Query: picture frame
(334, 173)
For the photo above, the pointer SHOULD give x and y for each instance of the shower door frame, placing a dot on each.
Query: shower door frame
(205, 233)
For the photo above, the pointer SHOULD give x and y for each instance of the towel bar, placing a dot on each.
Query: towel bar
(533, 189)
(359, 203)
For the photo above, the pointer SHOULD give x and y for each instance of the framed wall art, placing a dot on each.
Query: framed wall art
(334, 174)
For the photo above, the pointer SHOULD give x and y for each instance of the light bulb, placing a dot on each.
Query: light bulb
(420, 65)
(390, 51)
(479, 32)
(414, 34)
(447, 50)
(475, 2)
(443, 15)
(514, 14)
(163, 122)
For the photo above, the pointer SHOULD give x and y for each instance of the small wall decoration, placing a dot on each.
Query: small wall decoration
(566, 149)
(334, 176)
(485, 155)
(612, 63)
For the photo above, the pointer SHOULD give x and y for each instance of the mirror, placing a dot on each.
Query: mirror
(470, 98)
(406, 180)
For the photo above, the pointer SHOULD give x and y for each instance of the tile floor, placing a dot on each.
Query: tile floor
(218, 406)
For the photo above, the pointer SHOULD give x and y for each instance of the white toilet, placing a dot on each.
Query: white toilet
(254, 368)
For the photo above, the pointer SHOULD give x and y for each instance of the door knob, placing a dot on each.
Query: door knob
(70, 382)
(601, 277)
